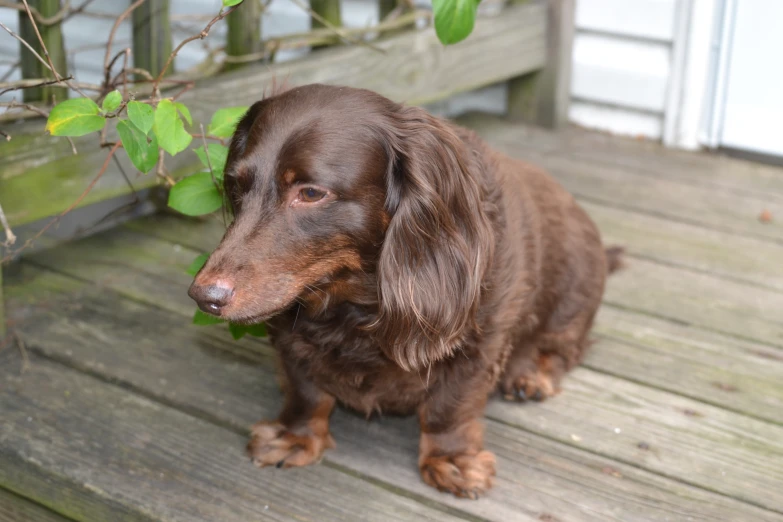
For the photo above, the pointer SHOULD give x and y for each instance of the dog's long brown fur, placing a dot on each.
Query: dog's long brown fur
(402, 266)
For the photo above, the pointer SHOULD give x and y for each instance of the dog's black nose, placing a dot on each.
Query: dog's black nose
(211, 298)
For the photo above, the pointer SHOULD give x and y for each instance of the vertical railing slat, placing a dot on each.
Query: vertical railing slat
(53, 39)
(329, 10)
(244, 31)
(152, 36)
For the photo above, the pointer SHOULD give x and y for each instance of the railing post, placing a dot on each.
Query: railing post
(152, 36)
(542, 97)
(53, 39)
(329, 10)
(244, 32)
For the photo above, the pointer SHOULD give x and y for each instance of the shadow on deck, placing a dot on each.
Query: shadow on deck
(122, 410)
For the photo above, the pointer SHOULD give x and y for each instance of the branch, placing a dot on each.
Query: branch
(40, 59)
(200, 36)
(33, 13)
(10, 238)
(60, 16)
(40, 41)
(114, 28)
(27, 84)
(339, 31)
(73, 205)
(318, 36)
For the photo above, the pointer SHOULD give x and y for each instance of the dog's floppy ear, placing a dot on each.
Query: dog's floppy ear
(438, 245)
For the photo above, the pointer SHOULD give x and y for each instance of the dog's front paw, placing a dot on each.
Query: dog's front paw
(464, 475)
(272, 444)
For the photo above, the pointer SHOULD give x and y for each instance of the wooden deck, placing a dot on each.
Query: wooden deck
(115, 408)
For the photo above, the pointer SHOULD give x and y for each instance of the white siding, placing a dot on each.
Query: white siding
(622, 63)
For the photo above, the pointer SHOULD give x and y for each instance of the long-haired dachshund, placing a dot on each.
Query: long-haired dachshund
(401, 266)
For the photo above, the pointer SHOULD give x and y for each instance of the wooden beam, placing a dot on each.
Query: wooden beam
(413, 67)
(542, 97)
(152, 36)
(244, 32)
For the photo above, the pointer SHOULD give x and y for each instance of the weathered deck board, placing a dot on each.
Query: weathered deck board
(698, 298)
(649, 157)
(152, 270)
(734, 256)
(97, 452)
(14, 508)
(120, 341)
(677, 413)
(731, 373)
(685, 195)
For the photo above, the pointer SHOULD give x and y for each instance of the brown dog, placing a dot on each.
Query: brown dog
(401, 266)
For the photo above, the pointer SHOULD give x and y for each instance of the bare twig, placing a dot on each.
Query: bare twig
(206, 153)
(13, 104)
(319, 36)
(200, 36)
(23, 353)
(40, 41)
(10, 238)
(10, 71)
(125, 73)
(27, 84)
(62, 15)
(24, 42)
(107, 69)
(40, 59)
(33, 13)
(72, 206)
(339, 31)
(114, 28)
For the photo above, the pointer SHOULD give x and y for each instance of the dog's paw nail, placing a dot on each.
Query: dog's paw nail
(521, 395)
(280, 464)
(538, 396)
(474, 494)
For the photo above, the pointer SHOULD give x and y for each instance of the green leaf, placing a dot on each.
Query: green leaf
(195, 195)
(238, 331)
(231, 3)
(142, 154)
(203, 319)
(142, 115)
(169, 129)
(454, 19)
(197, 264)
(217, 158)
(112, 101)
(224, 122)
(75, 118)
(184, 111)
(257, 330)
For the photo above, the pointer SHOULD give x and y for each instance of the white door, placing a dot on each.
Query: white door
(748, 110)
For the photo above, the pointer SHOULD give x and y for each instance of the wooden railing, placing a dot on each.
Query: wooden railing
(527, 44)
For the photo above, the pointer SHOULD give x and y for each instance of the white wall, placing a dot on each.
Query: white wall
(623, 57)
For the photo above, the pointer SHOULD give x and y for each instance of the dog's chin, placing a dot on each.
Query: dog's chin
(247, 317)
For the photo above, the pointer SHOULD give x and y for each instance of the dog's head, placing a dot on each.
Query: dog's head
(332, 188)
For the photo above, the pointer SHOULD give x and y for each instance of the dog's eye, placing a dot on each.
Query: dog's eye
(311, 195)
